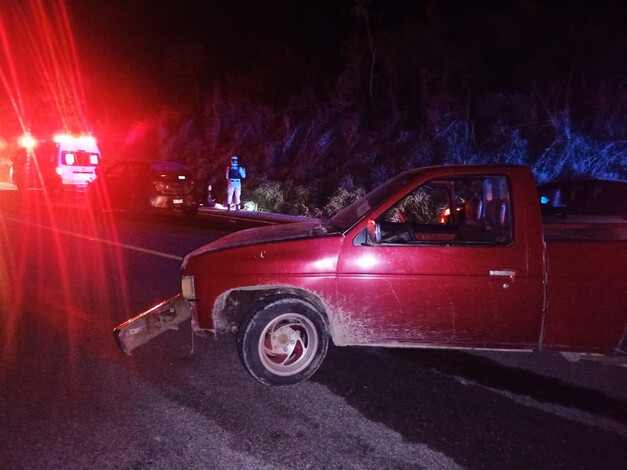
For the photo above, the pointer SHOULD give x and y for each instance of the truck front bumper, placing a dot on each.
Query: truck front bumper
(148, 325)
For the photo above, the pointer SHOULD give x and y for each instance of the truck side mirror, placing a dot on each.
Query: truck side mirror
(373, 231)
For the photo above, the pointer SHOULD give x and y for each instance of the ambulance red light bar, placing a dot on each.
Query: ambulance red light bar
(88, 139)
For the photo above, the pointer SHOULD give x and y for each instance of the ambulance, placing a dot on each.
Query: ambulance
(65, 162)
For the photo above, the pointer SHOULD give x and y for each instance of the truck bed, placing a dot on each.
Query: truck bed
(586, 306)
(585, 227)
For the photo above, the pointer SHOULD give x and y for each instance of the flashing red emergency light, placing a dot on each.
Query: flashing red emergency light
(28, 141)
(87, 139)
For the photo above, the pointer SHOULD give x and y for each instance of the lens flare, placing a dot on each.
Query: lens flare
(28, 142)
(39, 66)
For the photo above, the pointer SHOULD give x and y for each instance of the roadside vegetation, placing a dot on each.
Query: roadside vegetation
(410, 95)
(516, 82)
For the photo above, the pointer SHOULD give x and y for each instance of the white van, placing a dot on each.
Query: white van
(66, 162)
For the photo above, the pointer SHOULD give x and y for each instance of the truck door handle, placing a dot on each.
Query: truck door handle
(502, 272)
(510, 273)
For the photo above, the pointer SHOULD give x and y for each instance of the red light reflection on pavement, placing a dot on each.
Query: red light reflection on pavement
(57, 290)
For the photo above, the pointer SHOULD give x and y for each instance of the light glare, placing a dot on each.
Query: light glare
(325, 264)
(83, 139)
(28, 141)
(366, 261)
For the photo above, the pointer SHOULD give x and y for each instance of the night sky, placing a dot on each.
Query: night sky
(124, 46)
(137, 32)
(136, 36)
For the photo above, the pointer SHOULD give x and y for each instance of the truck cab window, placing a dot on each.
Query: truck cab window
(472, 210)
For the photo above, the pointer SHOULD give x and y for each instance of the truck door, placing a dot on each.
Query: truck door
(444, 265)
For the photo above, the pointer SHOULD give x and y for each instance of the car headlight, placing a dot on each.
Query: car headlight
(188, 289)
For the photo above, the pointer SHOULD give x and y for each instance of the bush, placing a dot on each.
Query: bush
(269, 196)
(341, 198)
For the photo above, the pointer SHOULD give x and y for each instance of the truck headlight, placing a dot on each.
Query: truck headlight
(188, 289)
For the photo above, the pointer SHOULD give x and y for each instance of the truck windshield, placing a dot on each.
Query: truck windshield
(350, 215)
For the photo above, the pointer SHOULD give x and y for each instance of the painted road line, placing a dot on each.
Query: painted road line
(99, 240)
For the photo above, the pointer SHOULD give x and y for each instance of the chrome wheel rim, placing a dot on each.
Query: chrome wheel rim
(288, 344)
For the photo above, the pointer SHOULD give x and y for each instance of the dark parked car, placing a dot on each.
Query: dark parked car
(144, 186)
(584, 197)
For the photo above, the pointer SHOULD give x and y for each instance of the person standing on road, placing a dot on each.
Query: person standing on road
(234, 176)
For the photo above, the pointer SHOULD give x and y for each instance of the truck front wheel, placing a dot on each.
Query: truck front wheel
(283, 341)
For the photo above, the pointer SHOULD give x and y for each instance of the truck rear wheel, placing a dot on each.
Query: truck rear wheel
(283, 341)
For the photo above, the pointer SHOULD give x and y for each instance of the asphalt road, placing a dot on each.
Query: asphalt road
(70, 399)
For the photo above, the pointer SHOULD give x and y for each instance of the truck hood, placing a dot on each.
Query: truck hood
(258, 235)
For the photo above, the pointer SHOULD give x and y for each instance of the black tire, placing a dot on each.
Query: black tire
(296, 350)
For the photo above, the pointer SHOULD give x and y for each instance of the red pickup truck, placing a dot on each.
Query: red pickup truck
(437, 257)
